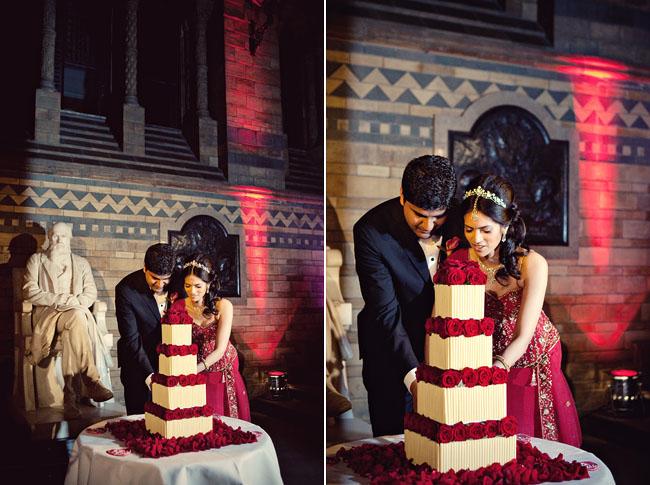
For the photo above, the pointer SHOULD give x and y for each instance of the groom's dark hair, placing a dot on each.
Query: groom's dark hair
(159, 259)
(429, 182)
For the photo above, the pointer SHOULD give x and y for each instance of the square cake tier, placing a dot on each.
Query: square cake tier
(459, 455)
(177, 428)
(461, 404)
(178, 396)
(177, 364)
(459, 301)
(177, 334)
(458, 352)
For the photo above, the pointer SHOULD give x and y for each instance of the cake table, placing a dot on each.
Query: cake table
(598, 471)
(102, 459)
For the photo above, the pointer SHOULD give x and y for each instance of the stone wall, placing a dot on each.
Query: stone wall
(278, 320)
(385, 86)
(257, 145)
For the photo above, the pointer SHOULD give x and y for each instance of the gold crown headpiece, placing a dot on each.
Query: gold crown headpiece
(486, 194)
(196, 264)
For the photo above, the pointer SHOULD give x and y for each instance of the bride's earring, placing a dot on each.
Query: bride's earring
(503, 237)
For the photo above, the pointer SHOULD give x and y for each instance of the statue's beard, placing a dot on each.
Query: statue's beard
(59, 251)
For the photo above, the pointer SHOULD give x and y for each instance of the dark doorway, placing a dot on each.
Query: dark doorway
(83, 55)
(162, 30)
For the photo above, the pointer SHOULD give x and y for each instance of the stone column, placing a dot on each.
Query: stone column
(207, 127)
(132, 112)
(47, 116)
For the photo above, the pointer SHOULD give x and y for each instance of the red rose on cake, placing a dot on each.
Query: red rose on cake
(476, 431)
(487, 326)
(454, 327)
(491, 428)
(499, 375)
(472, 328)
(460, 433)
(484, 375)
(470, 377)
(508, 426)
(450, 378)
(475, 276)
(445, 433)
(455, 276)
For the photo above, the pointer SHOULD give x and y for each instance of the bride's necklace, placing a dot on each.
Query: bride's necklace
(490, 271)
(195, 310)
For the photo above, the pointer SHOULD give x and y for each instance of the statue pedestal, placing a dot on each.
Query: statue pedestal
(50, 424)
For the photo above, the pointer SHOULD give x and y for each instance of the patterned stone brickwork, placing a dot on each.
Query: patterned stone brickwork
(381, 107)
(257, 146)
(278, 320)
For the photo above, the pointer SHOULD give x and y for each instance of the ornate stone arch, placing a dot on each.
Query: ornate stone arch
(206, 230)
(447, 127)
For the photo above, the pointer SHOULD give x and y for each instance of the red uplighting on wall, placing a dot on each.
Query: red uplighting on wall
(254, 206)
(595, 85)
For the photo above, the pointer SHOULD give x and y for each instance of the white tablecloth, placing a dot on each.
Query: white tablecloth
(250, 463)
(599, 474)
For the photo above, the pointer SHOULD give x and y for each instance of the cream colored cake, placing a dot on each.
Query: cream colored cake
(177, 334)
(459, 301)
(178, 428)
(460, 404)
(177, 397)
(458, 352)
(459, 455)
(177, 365)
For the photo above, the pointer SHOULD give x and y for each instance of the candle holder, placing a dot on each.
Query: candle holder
(625, 391)
(277, 380)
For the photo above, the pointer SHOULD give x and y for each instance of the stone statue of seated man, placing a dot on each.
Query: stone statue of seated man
(61, 288)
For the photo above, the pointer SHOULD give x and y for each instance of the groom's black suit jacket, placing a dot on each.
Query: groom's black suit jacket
(398, 297)
(138, 320)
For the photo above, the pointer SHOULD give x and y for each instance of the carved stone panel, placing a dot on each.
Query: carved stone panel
(511, 142)
(206, 235)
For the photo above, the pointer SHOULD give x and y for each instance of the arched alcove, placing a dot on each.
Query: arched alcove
(512, 136)
(204, 230)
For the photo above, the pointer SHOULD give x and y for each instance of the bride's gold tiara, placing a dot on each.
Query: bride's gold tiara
(486, 194)
(196, 264)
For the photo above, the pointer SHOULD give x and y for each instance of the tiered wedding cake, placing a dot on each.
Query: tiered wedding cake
(460, 420)
(179, 406)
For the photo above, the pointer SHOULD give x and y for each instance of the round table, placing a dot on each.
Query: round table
(102, 459)
(599, 474)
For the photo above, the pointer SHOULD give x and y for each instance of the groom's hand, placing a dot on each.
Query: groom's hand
(148, 380)
(414, 393)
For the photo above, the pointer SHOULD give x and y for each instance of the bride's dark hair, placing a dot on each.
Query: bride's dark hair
(201, 266)
(513, 247)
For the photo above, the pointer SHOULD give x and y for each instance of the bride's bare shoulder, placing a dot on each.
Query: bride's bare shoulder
(223, 304)
(533, 263)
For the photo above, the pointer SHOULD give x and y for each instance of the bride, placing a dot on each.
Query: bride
(213, 316)
(525, 341)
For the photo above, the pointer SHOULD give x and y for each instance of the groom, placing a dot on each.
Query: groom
(397, 248)
(140, 301)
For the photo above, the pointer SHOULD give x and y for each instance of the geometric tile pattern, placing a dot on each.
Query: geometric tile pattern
(12, 195)
(32, 206)
(376, 102)
(451, 92)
